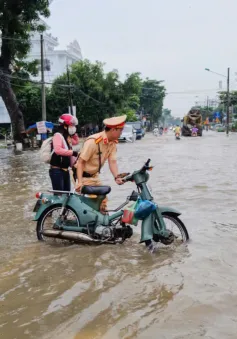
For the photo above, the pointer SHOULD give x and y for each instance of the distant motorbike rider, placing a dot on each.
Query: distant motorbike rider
(156, 131)
(194, 131)
(177, 130)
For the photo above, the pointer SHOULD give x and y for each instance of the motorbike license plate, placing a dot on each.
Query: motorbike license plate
(37, 206)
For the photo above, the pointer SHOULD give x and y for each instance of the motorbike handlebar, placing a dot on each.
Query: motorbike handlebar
(148, 162)
(128, 178)
(146, 167)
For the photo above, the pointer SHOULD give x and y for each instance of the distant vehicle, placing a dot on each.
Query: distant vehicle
(177, 136)
(156, 131)
(194, 117)
(128, 134)
(220, 128)
(140, 131)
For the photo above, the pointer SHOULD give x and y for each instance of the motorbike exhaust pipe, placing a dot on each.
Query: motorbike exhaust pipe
(68, 235)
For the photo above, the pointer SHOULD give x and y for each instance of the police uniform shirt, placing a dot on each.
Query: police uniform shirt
(90, 151)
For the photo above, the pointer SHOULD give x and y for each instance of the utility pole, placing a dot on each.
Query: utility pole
(42, 78)
(207, 110)
(228, 102)
(69, 92)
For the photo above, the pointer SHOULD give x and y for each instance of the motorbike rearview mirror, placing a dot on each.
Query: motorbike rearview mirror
(147, 163)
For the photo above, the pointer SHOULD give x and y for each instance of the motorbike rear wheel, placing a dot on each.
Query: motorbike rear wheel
(179, 236)
(48, 219)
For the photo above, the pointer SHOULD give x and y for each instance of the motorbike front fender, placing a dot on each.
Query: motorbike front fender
(165, 209)
(148, 227)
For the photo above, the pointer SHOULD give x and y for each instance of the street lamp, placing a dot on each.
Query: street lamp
(227, 96)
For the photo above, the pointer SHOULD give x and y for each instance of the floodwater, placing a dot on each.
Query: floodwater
(110, 292)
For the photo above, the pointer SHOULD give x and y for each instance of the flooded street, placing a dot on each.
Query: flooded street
(110, 292)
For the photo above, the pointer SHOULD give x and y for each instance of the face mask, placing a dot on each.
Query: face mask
(72, 130)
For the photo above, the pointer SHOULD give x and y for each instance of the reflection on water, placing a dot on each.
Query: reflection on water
(122, 291)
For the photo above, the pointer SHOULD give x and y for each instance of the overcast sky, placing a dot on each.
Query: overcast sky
(170, 40)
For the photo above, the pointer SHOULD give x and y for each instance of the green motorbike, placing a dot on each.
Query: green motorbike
(77, 218)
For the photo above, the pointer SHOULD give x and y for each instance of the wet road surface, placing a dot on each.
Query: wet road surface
(122, 291)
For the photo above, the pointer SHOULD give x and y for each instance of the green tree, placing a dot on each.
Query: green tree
(97, 95)
(30, 104)
(18, 20)
(132, 88)
(232, 103)
(232, 95)
(131, 114)
(151, 99)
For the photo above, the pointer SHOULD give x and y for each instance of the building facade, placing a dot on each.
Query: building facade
(55, 60)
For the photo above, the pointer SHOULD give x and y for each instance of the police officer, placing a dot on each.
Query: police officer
(96, 150)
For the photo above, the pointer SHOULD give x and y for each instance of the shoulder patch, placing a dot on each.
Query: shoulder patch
(97, 140)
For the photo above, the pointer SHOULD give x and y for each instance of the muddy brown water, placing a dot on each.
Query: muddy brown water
(84, 292)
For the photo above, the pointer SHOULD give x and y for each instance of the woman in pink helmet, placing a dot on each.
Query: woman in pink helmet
(63, 156)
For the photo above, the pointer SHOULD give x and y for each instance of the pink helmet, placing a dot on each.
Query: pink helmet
(68, 120)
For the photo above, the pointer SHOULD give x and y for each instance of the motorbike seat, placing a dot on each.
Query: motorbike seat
(97, 190)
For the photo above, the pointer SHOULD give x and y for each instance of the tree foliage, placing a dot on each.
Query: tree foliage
(151, 98)
(232, 98)
(209, 112)
(18, 20)
(96, 95)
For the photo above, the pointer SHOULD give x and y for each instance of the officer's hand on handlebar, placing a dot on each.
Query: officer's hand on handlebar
(119, 181)
(121, 178)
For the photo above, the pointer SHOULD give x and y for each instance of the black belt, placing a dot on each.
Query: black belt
(87, 175)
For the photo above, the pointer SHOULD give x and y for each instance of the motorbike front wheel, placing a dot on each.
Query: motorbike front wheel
(48, 219)
(179, 233)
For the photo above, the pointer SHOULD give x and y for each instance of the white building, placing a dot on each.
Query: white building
(55, 61)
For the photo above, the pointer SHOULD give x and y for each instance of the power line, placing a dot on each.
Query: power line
(39, 83)
(19, 39)
(23, 79)
(52, 83)
(14, 85)
(193, 91)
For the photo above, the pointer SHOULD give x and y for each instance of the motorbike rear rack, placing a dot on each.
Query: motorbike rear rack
(61, 192)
